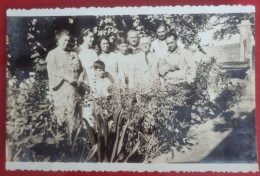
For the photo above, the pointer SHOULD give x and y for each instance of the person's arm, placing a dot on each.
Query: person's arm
(83, 77)
(110, 77)
(191, 67)
(164, 68)
(110, 86)
(152, 49)
(131, 72)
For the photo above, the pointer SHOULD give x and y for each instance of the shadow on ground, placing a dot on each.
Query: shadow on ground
(240, 145)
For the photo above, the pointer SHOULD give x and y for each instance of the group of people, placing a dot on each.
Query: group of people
(136, 64)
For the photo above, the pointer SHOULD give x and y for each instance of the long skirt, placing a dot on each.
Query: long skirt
(64, 104)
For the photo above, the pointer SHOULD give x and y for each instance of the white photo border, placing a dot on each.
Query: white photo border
(132, 10)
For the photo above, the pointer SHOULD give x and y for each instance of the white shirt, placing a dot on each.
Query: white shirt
(125, 62)
(182, 58)
(159, 47)
(111, 63)
(144, 75)
(99, 86)
(113, 67)
(87, 57)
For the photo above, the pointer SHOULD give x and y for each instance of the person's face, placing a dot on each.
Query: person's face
(63, 42)
(145, 44)
(104, 44)
(133, 38)
(161, 32)
(168, 19)
(99, 72)
(89, 39)
(123, 47)
(171, 43)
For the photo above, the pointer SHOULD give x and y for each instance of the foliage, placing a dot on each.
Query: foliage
(28, 118)
(221, 94)
(230, 24)
(130, 127)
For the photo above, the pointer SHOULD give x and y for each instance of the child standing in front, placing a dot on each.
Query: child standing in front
(100, 87)
(101, 83)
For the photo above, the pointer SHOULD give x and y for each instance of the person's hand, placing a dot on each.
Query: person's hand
(174, 68)
(89, 97)
(73, 82)
(105, 75)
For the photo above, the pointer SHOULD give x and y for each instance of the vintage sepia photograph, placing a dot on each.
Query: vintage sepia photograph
(131, 85)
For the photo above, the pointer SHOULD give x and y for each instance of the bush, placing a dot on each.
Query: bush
(130, 127)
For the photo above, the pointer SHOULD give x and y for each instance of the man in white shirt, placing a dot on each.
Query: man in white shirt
(133, 39)
(178, 68)
(178, 65)
(145, 69)
(159, 45)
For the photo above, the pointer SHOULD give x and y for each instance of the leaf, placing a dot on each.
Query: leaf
(117, 119)
(133, 151)
(92, 152)
(99, 140)
(16, 155)
(75, 139)
(90, 133)
(102, 128)
(59, 137)
(120, 144)
(82, 152)
(50, 140)
(23, 141)
(36, 139)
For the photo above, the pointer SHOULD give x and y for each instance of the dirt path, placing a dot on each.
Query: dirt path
(227, 138)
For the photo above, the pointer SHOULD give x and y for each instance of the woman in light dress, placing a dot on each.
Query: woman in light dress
(86, 54)
(111, 61)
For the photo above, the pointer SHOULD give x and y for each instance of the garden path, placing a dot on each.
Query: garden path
(227, 138)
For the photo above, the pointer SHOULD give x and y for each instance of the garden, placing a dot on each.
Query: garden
(129, 126)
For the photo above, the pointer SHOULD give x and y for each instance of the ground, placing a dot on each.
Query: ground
(229, 138)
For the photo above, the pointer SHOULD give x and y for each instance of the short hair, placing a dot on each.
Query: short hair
(122, 40)
(84, 32)
(172, 34)
(159, 25)
(132, 30)
(61, 33)
(99, 65)
(146, 36)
